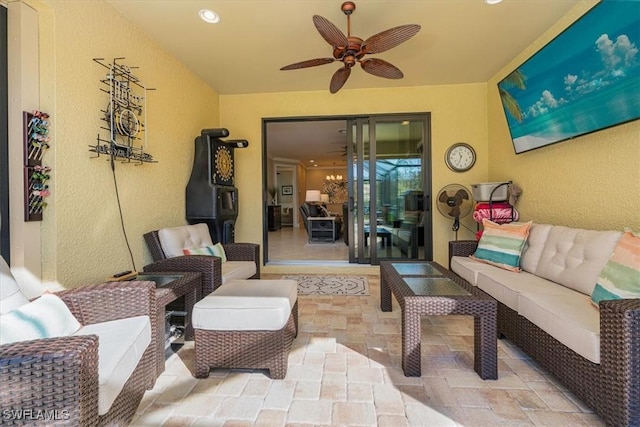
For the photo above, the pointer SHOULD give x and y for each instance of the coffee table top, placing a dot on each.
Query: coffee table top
(416, 269)
(434, 287)
(426, 279)
(161, 280)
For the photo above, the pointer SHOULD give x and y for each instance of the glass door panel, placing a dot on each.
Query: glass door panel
(390, 214)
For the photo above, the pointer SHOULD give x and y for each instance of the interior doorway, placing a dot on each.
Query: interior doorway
(348, 171)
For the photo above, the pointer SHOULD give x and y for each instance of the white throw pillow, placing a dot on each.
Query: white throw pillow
(46, 317)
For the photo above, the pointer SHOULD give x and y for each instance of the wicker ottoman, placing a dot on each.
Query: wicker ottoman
(246, 324)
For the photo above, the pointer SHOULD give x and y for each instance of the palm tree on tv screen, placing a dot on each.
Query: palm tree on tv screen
(518, 80)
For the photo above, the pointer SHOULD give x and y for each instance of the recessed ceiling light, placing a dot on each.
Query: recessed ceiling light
(209, 16)
(492, 1)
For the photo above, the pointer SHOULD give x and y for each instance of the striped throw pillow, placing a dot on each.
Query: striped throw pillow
(620, 277)
(502, 245)
(215, 250)
(46, 317)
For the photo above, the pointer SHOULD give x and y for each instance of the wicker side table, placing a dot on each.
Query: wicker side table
(169, 287)
(427, 289)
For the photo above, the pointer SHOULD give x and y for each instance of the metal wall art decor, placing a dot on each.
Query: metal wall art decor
(125, 115)
(36, 142)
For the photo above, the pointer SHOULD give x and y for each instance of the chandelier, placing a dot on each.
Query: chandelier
(333, 176)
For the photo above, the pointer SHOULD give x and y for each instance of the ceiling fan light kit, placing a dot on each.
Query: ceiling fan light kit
(350, 49)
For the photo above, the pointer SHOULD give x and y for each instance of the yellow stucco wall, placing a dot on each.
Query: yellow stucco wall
(82, 237)
(458, 113)
(590, 182)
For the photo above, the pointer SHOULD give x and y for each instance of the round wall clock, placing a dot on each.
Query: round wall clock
(224, 166)
(460, 157)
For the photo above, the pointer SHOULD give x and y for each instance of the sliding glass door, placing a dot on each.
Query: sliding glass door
(389, 214)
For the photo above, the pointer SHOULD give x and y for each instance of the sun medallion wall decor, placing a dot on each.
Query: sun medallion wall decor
(125, 115)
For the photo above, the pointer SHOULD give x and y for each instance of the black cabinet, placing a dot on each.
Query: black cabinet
(322, 229)
(274, 217)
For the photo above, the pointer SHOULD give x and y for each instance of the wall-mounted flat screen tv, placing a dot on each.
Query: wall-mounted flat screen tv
(584, 80)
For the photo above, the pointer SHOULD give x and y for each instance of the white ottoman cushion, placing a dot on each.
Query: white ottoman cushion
(121, 344)
(247, 305)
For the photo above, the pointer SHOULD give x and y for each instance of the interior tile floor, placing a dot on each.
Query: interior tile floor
(292, 244)
(344, 369)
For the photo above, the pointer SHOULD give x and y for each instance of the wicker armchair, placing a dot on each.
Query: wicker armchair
(57, 378)
(210, 267)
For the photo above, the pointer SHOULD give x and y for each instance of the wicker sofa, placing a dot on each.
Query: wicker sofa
(547, 311)
(90, 378)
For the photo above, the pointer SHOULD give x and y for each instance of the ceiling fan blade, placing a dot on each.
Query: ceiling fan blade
(390, 38)
(339, 79)
(308, 63)
(330, 32)
(381, 68)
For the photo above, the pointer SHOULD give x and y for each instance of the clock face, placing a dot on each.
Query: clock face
(224, 166)
(460, 157)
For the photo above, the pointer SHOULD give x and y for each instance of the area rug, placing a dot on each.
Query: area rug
(330, 285)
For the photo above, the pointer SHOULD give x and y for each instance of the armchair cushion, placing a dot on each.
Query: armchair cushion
(175, 239)
(237, 270)
(121, 344)
(45, 317)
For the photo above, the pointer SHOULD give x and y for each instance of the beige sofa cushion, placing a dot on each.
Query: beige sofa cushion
(574, 257)
(538, 234)
(569, 318)
(174, 239)
(468, 268)
(121, 344)
(506, 286)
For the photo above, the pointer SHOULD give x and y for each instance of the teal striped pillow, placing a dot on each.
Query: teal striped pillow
(620, 277)
(45, 317)
(502, 245)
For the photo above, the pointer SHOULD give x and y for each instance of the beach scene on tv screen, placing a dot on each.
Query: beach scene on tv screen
(584, 80)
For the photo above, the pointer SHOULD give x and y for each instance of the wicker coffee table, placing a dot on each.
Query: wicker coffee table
(428, 289)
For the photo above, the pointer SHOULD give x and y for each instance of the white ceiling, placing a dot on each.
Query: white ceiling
(461, 41)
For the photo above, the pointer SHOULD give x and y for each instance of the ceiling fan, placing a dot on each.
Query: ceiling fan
(350, 49)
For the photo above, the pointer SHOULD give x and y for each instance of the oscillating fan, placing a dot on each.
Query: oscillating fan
(454, 201)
